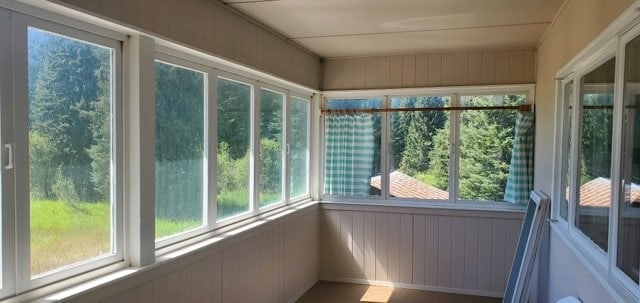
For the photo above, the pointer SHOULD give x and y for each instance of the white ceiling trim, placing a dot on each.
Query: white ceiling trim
(421, 31)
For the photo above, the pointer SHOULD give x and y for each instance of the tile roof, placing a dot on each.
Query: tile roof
(597, 193)
(403, 186)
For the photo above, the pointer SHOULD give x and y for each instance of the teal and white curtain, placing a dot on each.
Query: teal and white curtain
(520, 178)
(349, 148)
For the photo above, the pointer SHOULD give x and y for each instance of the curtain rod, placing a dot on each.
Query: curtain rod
(521, 108)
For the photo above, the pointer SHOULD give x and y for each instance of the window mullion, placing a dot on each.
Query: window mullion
(286, 148)
(385, 149)
(454, 143)
(616, 154)
(255, 149)
(211, 147)
(141, 152)
(576, 138)
(21, 153)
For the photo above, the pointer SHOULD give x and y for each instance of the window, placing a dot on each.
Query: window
(299, 147)
(234, 148)
(435, 151)
(180, 149)
(628, 258)
(419, 149)
(352, 148)
(599, 189)
(271, 147)
(594, 158)
(63, 143)
(486, 144)
(70, 177)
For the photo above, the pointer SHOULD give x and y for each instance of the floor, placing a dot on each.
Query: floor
(332, 292)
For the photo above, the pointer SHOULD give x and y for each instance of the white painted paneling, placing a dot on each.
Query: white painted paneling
(461, 251)
(211, 27)
(491, 67)
(275, 262)
(419, 249)
(393, 243)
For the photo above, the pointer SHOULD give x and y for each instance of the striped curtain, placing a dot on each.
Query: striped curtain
(349, 148)
(520, 178)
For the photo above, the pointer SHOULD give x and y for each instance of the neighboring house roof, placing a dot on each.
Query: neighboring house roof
(403, 186)
(597, 193)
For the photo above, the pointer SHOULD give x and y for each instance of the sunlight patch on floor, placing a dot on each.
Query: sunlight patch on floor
(377, 294)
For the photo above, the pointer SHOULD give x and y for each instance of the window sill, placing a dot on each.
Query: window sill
(168, 258)
(480, 209)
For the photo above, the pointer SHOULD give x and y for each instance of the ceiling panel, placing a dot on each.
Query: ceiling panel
(413, 42)
(312, 21)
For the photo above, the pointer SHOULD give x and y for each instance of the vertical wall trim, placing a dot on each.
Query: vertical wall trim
(140, 151)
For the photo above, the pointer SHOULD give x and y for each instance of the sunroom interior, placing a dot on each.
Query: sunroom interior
(243, 151)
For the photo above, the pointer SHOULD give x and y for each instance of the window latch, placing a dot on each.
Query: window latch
(9, 148)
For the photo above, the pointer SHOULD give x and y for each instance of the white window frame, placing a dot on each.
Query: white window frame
(610, 43)
(307, 98)
(455, 93)
(214, 71)
(285, 142)
(135, 53)
(596, 60)
(254, 144)
(7, 186)
(208, 150)
(23, 269)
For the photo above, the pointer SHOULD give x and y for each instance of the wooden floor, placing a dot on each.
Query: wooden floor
(331, 292)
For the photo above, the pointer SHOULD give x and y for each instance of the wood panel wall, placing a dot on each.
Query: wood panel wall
(431, 70)
(454, 251)
(211, 27)
(275, 263)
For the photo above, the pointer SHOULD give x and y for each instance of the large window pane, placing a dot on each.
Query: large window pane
(180, 141)
(628, 258)
(486, 143)
(352, 148)
(419, 149)
(299, 150)
(566, 150)
(70, 150)
(594, 166)
(234, 148)
(271, 124)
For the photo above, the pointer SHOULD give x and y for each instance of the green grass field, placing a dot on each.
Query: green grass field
(64, 234)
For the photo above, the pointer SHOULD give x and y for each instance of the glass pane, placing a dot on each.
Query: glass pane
(419, 150)
(70, 84)
(271, 124)
(629, 224)
(352, 148)
(566, 150)
(486, 143)
(180, 186)
(594, 167)
(299, 153)
(234, 148)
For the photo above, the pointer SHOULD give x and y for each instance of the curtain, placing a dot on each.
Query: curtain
(349, 153)
(520, 178)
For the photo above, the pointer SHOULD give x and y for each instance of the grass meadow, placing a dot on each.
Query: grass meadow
(64, 233)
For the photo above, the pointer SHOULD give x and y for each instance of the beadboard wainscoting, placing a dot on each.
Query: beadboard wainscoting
(274, 262)
(461, 251)
(488, 67)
